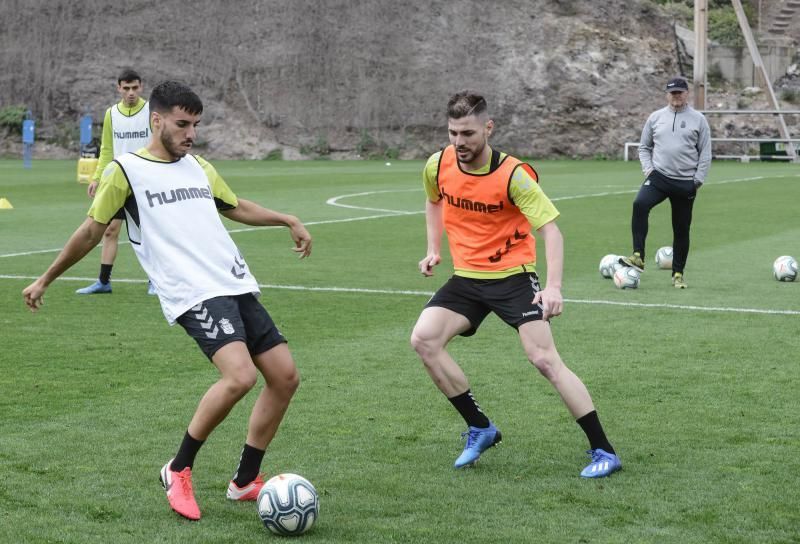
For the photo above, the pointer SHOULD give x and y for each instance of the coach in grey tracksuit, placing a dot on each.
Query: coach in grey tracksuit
(675, 152)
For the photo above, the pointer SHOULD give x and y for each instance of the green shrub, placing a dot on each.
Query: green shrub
(11, 117)
(370, 148)
(318, 149)
(792, 96)
(723, 27)
(273, 155)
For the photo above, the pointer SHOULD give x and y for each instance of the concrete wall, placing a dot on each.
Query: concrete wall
(737, 67)
(735, 63)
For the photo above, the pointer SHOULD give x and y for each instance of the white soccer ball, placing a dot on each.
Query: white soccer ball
(785, 268)
(626, 278)
(664, 258)
(288, 504)
(608, 265)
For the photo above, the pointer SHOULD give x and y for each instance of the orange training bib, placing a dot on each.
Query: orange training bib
(486, 231)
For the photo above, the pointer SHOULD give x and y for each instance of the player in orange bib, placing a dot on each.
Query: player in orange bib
(489, 203)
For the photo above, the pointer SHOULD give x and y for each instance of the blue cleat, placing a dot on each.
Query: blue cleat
(151, 289)
(603, 464)
(97, 288)
(478, 441)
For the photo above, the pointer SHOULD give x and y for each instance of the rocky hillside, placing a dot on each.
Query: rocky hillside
(348, 77)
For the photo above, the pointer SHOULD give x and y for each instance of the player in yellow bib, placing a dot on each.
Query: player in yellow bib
(489, 203)
(126, 128)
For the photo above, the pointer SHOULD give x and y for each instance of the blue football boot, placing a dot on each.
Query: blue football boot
(97, 288)
(603, 464)
(478, 441)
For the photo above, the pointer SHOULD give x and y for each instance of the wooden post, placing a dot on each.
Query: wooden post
(700, 49)
(759, 65)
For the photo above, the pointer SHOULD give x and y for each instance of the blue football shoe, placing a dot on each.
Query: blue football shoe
(478, 441)
(603, 464)
(97, 288)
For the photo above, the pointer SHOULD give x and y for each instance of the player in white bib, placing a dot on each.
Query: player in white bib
(126, 128)
(172, 201)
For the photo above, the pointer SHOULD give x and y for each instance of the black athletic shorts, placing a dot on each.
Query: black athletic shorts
(510, 298)
(120, 214)
(221, 320)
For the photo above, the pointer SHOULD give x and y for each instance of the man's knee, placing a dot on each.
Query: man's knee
(279, 370)
(681, 232)
(112, 231)
(681, 226)
(289, 382)
(545, 357)
(642, 205)
(241, 380)
(425, 343)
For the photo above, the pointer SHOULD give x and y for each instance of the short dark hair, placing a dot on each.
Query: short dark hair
(128, 75)
(464, 104)
(168, 94)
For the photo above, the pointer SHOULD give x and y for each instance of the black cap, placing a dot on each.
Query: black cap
(677, 84)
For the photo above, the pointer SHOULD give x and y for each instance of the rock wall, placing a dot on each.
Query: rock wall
(350, 77)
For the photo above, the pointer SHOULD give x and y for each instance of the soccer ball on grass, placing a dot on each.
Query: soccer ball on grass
(664, 258)
(626, 278)
(288, 504)
(608, 265)
(785, 268)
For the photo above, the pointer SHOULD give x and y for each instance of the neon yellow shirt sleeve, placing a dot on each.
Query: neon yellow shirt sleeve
(223, 195)
(106, 147)
(429, 175)
(531, 200)
(112, 192)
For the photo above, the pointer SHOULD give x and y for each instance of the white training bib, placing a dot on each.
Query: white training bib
(178, 236)
(130, 133)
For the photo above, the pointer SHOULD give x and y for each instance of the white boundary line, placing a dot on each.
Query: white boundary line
(333, 201)
(246, 229)
(406, 292)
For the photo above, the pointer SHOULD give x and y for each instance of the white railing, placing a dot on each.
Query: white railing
(743, 158)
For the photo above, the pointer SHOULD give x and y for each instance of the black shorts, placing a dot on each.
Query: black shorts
(221, 320)
(510, 298)
(120, 214)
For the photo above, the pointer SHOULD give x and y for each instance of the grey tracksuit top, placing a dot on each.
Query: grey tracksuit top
(676, 143)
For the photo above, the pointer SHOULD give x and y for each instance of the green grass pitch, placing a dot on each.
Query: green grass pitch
(697, 389)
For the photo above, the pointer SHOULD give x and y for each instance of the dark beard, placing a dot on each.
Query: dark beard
(174, 152)
(474, 154)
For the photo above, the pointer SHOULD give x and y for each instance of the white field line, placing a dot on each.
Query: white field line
(405, 292)
(333, 201)
(245, 229)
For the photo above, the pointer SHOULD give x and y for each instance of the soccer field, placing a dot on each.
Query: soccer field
(697, 389)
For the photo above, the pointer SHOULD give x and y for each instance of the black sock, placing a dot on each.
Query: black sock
(249, 465)
(105, 273)
(590, 424)
(469, 410)
(186, 453)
